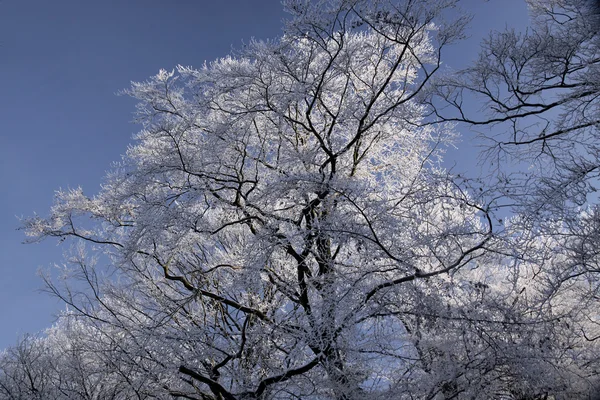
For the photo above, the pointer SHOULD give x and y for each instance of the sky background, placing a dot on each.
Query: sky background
(62, 62)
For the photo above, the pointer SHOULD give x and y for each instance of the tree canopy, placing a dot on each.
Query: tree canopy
(283, 227)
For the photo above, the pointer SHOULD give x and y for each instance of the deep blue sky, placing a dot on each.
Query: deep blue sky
(61, 124)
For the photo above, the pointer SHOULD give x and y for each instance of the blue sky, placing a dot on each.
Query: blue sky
(61, 124)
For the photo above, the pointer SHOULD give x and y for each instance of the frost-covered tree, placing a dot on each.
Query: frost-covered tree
(24, 372)
(539, 121)
(540, 94)
(282, 229)
(75, 359)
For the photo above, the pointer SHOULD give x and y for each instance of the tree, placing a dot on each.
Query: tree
(540, 94)
(23, 373)
(73, 360)
(283, 229)
(539, 91)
